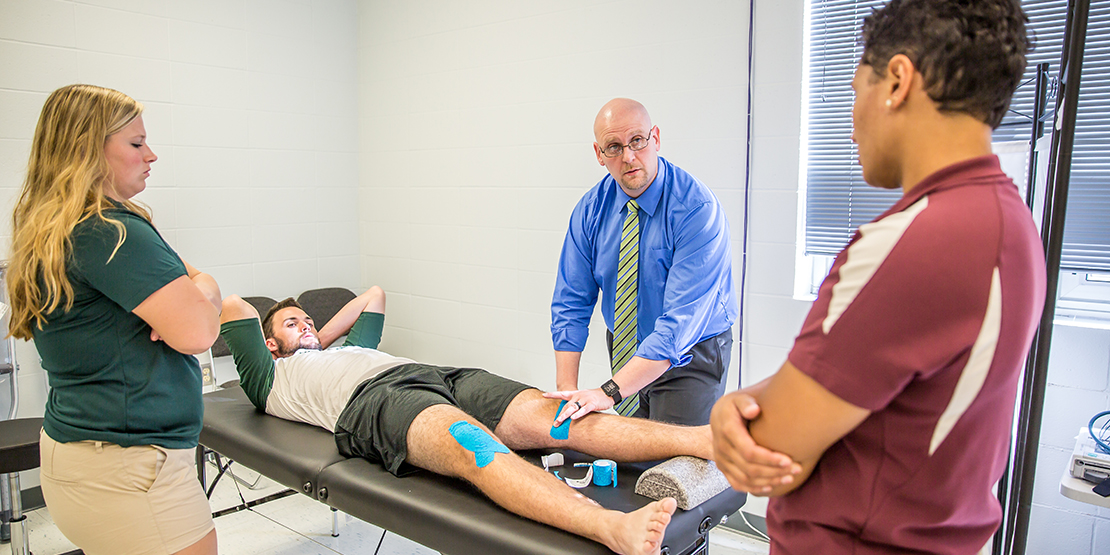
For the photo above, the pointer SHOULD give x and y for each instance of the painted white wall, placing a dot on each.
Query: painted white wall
(772, 316)
(475, 122)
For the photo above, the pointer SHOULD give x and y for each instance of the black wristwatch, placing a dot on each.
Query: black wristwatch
(613, 390)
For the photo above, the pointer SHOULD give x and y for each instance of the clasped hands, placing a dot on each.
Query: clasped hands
(748, 466)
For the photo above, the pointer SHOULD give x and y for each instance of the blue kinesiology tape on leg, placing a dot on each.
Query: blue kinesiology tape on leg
(476, 440)
(562, 431)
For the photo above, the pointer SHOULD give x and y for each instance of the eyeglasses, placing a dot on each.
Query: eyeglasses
(637, 143)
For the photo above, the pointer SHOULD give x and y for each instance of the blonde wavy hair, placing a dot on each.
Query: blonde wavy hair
(66, 176)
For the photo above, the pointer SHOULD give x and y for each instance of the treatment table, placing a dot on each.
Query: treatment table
(442, 513)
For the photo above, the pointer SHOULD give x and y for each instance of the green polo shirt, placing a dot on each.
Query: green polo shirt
(108, 380)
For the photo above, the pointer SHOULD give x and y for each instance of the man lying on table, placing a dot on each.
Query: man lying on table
(459, 422)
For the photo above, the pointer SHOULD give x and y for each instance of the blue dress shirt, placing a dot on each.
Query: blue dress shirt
(685, 292)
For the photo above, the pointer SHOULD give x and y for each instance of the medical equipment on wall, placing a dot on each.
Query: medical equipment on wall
(1090, 460)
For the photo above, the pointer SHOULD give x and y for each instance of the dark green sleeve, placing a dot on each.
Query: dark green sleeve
(252, 359)
(367, 331)
(144, 260)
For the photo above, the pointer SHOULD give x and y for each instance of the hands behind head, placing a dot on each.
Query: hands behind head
(747, 466)
(580, 403)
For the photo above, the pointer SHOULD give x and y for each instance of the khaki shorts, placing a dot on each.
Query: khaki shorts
(109, 499)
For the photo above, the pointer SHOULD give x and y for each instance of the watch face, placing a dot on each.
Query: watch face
(613, 390)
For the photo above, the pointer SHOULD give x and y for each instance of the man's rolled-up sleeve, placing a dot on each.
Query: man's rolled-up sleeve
(252, 359)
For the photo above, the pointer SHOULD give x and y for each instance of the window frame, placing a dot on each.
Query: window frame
(1080, 305)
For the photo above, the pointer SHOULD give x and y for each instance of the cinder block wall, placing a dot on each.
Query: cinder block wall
(1078, 388)
(476, 128)
(250, 107)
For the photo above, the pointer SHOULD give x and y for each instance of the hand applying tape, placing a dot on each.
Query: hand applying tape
(587, 401)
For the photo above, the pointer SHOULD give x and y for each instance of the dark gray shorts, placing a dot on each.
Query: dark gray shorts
(376, 421)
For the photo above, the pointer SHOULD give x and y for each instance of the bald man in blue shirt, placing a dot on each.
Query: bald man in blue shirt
(685, 301)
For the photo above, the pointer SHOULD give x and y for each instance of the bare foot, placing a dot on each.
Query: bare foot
(641, 532)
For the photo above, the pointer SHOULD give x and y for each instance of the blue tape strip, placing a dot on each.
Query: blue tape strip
(562, 431)
(476, 440)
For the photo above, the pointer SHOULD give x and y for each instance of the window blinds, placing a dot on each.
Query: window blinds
(837, 199)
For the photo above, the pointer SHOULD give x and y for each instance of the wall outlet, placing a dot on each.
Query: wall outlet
(206, 377)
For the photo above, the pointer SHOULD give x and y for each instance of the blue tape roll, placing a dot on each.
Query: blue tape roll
(605, 473)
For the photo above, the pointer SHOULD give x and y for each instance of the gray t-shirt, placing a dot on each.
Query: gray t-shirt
(314, 386)
(309, 386)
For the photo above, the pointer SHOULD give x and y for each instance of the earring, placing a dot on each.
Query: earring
(889, 102)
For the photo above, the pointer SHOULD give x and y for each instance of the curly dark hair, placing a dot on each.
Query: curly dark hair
(970, 52)
(268, 321)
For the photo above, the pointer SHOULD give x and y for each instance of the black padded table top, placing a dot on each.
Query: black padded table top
(445, 514)
(290, 453)
(19, 444)
(452, 516)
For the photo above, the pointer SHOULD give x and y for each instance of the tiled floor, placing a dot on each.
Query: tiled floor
(298, 525)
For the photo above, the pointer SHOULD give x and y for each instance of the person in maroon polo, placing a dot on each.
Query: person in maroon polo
(888, 425)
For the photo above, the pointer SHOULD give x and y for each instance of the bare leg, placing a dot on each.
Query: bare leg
(527, 425)
(204, 546)
(517, 485)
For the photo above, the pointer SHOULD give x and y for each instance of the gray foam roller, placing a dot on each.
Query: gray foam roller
(690, 480)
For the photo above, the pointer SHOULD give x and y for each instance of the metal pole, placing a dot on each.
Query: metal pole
(5, 509)
(11, 365)
(18, 520)
(1040, 104)
(1005, 485)
(13, 378)
(1052, 232)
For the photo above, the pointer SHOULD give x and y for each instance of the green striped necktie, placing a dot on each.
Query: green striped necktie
(624, 312)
